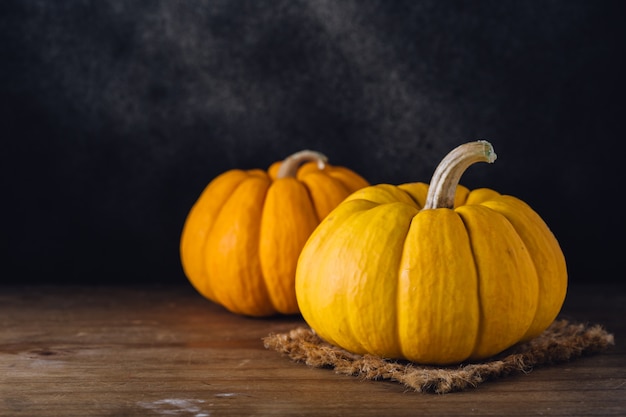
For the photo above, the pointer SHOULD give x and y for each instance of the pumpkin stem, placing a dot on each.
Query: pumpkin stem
(442, 189)
(290, 165)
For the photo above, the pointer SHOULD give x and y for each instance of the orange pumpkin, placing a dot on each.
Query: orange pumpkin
(241, 239)
(433, 273)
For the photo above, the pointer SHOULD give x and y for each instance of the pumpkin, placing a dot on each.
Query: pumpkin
(241, 239)
(435, 274)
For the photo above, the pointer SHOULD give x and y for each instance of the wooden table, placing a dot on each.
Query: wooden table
(157, 351)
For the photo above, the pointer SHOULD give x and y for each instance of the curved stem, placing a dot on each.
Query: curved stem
(290, 165)
(443, 184)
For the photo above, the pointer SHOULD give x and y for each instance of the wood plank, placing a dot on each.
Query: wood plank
(130, 351)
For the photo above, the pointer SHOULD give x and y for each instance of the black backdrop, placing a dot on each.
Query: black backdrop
(116, 114)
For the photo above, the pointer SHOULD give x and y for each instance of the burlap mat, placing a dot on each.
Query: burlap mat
(561, 342)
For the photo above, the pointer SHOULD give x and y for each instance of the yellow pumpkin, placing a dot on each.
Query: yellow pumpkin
(433, 274)
(241, 239)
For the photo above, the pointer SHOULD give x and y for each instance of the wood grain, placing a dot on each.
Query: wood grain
(150, 351)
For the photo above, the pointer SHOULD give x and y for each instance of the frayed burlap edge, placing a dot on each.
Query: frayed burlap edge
(561, 342)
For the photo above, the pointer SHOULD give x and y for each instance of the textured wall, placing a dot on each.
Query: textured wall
(116, 114)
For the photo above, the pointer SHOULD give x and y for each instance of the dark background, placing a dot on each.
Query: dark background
(115, 114)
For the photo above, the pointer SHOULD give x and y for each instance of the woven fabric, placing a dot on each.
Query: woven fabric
(561, 342)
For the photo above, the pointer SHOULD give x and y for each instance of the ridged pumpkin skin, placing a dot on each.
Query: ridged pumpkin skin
(384, 276)
(242, 238)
